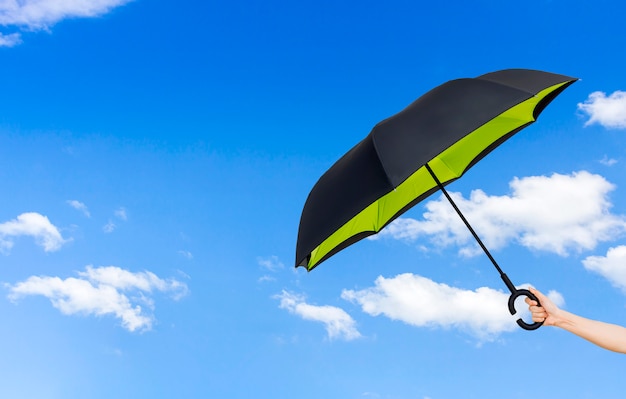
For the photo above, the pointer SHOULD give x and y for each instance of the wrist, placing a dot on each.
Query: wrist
(562, 319)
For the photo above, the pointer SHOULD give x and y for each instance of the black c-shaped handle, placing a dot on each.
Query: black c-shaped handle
(514, 295)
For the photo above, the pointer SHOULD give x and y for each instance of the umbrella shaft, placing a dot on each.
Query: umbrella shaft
(458, 211)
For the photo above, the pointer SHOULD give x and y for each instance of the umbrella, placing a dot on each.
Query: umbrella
(418, 151)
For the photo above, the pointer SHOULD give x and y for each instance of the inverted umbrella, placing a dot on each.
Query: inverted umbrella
(418, 151)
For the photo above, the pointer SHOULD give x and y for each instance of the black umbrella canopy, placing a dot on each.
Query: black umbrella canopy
(449, 129)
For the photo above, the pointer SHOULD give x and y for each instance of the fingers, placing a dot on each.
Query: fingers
(538, 313)
(537, 318)
(530, 302)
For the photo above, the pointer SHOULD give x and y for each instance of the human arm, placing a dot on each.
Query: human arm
(606, 335)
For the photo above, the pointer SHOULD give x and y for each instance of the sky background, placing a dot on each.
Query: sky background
(155, 158)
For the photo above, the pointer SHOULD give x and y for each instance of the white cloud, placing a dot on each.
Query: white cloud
(271, 263)
(42, 14)
(606, 161)
(79, 206)
(124, 280)
(109, 227)
(99, 291)
(612, 266)
(10, 40)
(609, 112)
(421, 302)
(338, 323)
(185, 254)
(120, 213)
(34, 225)
(559, 214)
(265, 278)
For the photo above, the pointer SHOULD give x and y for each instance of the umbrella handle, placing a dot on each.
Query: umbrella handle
(523, 292)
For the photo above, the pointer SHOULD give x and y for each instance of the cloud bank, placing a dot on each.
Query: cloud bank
(421, 302)
(558, 214)
(608, 111)
(418, 301)
(33, 15)
(100, 291)
(337, 322)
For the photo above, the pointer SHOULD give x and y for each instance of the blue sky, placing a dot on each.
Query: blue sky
(155, 158)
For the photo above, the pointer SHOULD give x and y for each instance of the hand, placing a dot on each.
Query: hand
(548, 312)
(606, 335)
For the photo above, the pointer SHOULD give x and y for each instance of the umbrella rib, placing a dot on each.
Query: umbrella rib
(504, 277)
